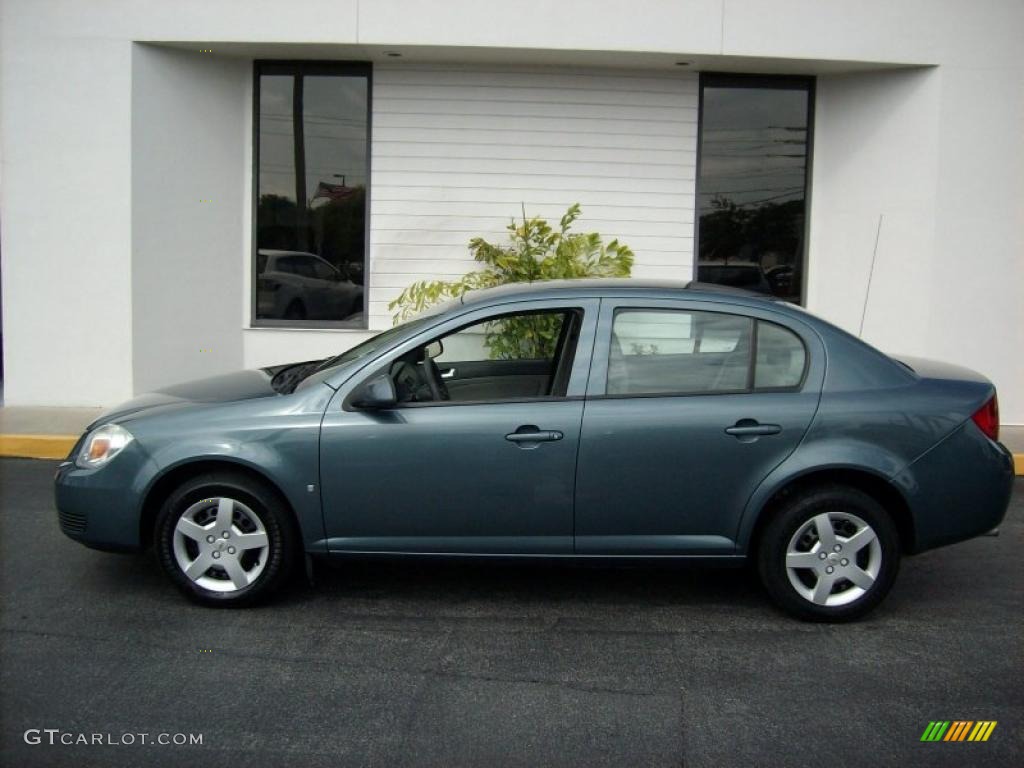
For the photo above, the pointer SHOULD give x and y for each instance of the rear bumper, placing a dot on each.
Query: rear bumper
(958, 490)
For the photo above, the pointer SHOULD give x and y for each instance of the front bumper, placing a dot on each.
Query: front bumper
(102, 508)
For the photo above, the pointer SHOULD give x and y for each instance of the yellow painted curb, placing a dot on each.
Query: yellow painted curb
(37, 446)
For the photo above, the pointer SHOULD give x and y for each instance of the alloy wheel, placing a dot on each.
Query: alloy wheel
(220, 544)
(833, 559)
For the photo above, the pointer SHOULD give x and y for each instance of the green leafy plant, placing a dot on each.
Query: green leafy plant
(536, 251)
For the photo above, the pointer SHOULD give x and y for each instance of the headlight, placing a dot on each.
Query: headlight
(103, 444)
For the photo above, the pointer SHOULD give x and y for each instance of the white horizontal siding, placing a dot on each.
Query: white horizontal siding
(460, 151)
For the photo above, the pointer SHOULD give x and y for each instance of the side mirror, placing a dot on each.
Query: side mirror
(376, 393)
(433, 349)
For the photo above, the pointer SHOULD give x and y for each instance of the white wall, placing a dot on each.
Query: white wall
(938, 153)
(188, 198)
(458, 151)
(66, 218)
(976, 286)
(875, 143)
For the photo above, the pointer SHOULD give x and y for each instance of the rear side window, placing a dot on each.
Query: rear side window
(781, 357)
(660, 351)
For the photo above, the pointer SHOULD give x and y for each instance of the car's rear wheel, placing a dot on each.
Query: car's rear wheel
(225, 539)
(829, 554)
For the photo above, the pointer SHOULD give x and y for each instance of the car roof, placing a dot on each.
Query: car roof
(590, 287)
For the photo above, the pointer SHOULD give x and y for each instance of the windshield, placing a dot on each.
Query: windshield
(371, 345)
(288, 378)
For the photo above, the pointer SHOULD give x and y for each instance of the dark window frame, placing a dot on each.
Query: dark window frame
(806, 83)
(305, 67)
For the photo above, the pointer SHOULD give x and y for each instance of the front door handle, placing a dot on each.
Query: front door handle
(450, 373)
(531, 434)
(751, 428)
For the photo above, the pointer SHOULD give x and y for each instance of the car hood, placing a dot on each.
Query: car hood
(231, 387)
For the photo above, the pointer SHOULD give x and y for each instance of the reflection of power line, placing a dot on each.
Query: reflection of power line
(333, 168)
(791, 170)
(314, 118)
(743, 191)
(790, 128)
(280, 169)
(755, 155)
(758, 141)
(317, 136)
(763, 200)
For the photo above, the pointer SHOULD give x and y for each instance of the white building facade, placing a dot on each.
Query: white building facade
(144, 145)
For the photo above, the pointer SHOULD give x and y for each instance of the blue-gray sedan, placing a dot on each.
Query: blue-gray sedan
(617, 420)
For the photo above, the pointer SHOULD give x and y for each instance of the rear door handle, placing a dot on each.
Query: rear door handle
(752, 428)
(530, 434)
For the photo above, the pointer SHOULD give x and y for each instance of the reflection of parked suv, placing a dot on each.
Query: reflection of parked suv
(295, 285)
(737, 274)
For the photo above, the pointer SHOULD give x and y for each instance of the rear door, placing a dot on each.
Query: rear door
(689, 406)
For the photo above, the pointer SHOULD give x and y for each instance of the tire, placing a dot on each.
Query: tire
(817, 583)
(242, 568)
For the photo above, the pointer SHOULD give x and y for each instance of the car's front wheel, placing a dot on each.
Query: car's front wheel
(225, 539)
(829, 554)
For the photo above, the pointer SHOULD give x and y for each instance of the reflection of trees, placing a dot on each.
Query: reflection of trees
(334, 229)
(524, 337)
(750, 233)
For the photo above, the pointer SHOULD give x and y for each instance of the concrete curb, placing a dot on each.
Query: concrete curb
(59, 446)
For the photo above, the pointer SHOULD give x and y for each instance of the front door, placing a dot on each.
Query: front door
(689, 408)
(487, 467)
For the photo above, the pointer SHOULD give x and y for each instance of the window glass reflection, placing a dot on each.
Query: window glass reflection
(751, 189)
(311, 194)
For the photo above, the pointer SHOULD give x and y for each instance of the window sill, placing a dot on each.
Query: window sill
(316, 329)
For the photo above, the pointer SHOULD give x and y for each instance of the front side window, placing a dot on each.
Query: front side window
(529, 336)
(512, 357)
(752, 182)
(312, 172)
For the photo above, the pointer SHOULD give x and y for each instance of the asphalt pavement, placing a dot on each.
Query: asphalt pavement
(384, 664)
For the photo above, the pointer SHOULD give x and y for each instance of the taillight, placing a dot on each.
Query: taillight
(987, 418)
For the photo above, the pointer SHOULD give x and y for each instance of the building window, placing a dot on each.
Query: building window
(755, 141)
(311, 144)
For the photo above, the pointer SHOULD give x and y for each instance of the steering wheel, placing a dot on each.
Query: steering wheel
(437, 386)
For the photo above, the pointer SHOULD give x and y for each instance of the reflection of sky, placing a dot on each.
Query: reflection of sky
(753, 146)
(334, 110)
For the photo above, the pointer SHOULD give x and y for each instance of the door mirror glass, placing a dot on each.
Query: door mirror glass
(434, 349)
(375, 393)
